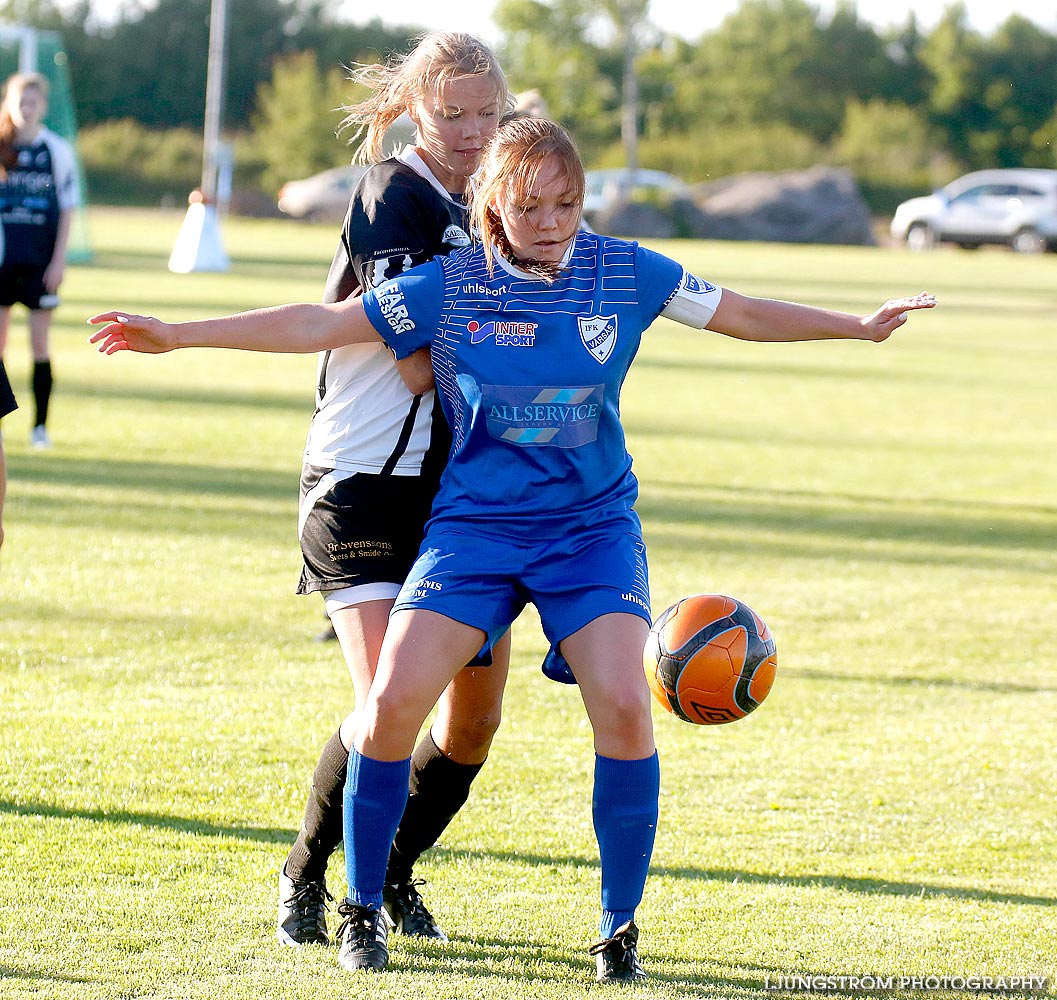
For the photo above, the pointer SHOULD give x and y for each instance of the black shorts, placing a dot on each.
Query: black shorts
(25, 283)
(358, 529)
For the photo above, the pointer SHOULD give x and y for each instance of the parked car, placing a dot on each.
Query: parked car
(323, 196)
(605, 187)
(1015, 207)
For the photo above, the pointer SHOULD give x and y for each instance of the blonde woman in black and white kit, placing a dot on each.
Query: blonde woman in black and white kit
(373, 457)
(38, 193)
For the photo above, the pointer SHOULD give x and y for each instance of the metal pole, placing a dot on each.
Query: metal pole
(198, 246)
(27, 51)
(214, 98)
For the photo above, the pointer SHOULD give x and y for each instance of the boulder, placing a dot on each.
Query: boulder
(673, 219)
(819, 205)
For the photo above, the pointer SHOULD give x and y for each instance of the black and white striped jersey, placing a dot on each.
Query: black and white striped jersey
(366, 419)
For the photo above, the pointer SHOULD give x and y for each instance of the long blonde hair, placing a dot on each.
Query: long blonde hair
(16, 84)
(509, 168)
(438, 57)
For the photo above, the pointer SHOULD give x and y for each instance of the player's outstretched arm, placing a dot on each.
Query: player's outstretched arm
(304, 328)
(774, 321)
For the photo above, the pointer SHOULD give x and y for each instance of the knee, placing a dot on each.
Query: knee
(386, 728)
(627, 731)
(467, 737)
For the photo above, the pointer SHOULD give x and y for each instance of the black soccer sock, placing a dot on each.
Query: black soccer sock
(438, 787)
(42, 383)
(321, 829)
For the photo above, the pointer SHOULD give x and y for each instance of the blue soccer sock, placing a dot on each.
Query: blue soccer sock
(625, 816)
(375, 796)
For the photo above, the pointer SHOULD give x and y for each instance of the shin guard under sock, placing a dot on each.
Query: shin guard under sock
(42, 383)
(624, 810)
(375, 796)
(439, 786)
(321, 829)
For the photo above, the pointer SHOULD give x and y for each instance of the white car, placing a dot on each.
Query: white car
(1015, 207)
(323, 196)
(605, 187)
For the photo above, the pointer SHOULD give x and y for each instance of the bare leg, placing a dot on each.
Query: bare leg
(443, 766)
(422, 653)
(606, 658)
(39, 328)
(470, 709)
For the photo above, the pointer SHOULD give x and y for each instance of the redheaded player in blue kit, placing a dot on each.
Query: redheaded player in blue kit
(532, 332)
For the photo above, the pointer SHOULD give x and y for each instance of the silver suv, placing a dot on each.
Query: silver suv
(1017, 208)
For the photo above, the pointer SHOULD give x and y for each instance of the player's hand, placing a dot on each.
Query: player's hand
(893, 314)
(417, 371)
(128, 332)
(53, 275)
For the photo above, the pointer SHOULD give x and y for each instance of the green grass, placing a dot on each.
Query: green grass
(888, 509)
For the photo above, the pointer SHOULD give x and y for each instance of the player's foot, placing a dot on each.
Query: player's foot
(302, 912)
(617, 958)
(408, 914)
(39, 437)
(363, 934)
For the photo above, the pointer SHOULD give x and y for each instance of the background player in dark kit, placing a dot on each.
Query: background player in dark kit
(533, 330)
(38, 193)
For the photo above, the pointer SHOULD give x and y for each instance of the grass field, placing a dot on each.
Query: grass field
(890, 510)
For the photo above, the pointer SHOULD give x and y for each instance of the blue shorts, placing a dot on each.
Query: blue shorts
(484, 577)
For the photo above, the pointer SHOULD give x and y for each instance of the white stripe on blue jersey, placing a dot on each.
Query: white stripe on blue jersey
(530, 374)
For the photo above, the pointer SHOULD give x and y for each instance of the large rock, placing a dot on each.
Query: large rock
(819, 205)
(676, 218)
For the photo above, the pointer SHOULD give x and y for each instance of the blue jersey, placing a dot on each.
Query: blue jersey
(529, 376)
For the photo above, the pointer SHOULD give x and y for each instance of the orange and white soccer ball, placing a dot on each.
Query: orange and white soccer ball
(710, 659)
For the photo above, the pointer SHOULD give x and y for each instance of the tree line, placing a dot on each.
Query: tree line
(777, 85)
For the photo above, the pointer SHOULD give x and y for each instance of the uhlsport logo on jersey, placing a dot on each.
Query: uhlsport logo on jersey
(506, 334)
(599, 334)
(391, 302)
(456, 236)
(530, 416)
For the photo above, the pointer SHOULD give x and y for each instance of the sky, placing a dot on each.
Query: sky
(692, 19)
(688, 18)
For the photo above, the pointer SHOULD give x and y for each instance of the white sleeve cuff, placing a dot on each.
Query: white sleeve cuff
(693, 302)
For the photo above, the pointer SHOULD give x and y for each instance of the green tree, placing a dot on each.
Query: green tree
(892, 151)
(1044, 144)
(150, 64)
(754, 68)
(907, 80)
(953, 53)
(544, 48)
(298, 114)
(1019, 96)
(628, 18)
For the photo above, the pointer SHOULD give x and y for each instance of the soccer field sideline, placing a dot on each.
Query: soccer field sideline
(888, 509)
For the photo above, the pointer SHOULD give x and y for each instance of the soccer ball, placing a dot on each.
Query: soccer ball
(710, 659)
